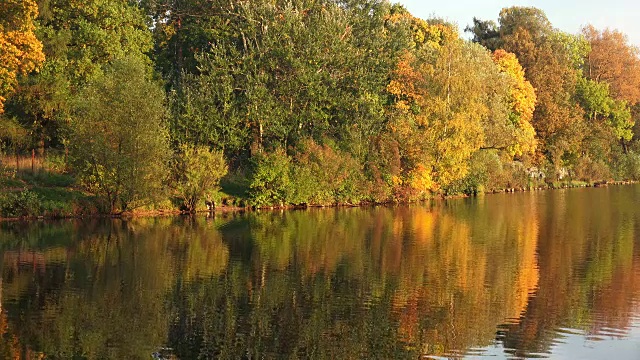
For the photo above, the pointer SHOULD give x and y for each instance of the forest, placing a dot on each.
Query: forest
(109, 106)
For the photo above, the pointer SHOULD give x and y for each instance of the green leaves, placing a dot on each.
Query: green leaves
(197, 172)
(270, 179)
(600, 106)
(119, 144)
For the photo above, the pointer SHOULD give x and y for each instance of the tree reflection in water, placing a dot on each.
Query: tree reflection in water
(440, 279)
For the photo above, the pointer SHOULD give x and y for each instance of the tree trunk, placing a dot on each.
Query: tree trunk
(256, 142)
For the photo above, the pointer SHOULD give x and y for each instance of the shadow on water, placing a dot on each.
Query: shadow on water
(506, 276)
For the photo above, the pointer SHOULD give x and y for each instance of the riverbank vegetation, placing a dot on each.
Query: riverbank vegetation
(159, 104)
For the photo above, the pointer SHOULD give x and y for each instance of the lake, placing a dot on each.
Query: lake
(551, 274)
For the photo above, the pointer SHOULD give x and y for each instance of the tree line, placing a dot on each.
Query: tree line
(312, 101)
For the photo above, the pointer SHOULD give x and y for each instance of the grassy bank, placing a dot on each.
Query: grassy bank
(53, 194)
(44, 193)
(48, 191)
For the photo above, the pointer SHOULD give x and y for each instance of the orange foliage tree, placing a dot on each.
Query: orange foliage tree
(613, 60)
(20, 50)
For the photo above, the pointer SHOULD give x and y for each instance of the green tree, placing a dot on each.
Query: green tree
(119, 143)
(80, 38)
(281, 72)
(441, 102)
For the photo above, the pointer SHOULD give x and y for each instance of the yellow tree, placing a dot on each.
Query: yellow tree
(20, 50)
(522, 103)
(439, 107)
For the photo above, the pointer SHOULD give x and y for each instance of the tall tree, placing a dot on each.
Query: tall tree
(439, 106)
(522, 103)
(282, 72)
(184, 28)
(119, 145)
(20, 50)
(614, 61)
(80, 38)
(548, 57)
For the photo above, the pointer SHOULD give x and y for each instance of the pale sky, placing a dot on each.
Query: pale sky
(567, 15)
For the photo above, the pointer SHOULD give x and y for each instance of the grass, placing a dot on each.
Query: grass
(64, 202)
(23, 163)
(6, 183)
(235, 184)
(569, 184)
(46, 191)
(47, 179)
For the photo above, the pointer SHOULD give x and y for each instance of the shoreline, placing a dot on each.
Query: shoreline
(226, 209)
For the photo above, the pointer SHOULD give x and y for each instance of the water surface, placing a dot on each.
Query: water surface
(552, 274)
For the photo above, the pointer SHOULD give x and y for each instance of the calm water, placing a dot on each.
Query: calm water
(537, 275)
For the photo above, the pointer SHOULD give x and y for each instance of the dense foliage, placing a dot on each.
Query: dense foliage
(198, 171)
(312, 102)
(119, 143)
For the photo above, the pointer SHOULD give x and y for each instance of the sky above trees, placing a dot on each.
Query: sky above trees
(567, 15)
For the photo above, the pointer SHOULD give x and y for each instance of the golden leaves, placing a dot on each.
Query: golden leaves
(20, 50)
(524, 96)
(523, 102)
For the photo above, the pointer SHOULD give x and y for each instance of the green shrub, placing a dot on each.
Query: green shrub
(384, 165)
(515, 175)
(55, 163)
(486, 171)
(489, 172)
(269, 180)
(10, 182)
(323, 175)
(627, 166)
(20, 204)
(197, 174)
(7, 172)
(305, 187)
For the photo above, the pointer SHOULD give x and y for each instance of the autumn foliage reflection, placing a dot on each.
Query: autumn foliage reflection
(436, 279)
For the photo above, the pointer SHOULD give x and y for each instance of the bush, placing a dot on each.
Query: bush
(269, 180)
(21, 204)
(489, 172)
(485, 171)
(7, 172)
(322, 175)
(55, 162)
(197, 173)
(627, 166)
(587, 169)
(515, 175)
